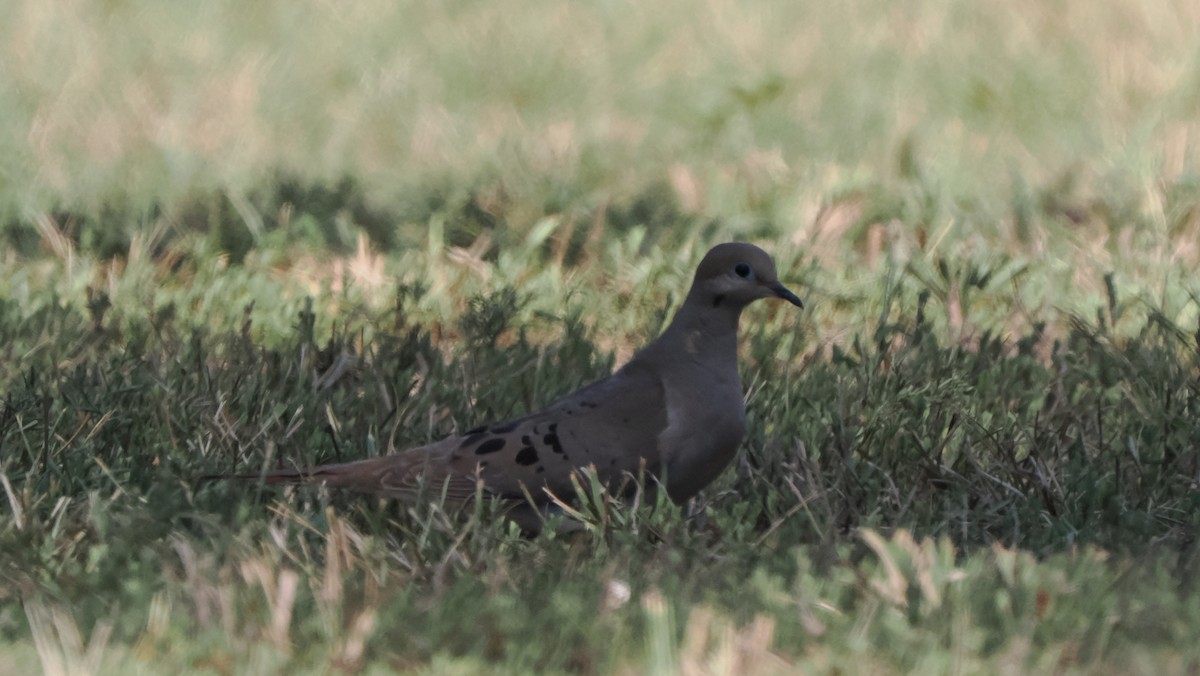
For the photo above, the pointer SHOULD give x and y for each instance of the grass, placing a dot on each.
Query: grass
(305, 234)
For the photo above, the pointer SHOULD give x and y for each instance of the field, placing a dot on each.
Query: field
(239, 235)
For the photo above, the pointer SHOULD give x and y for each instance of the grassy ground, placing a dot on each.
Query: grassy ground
(236, 235)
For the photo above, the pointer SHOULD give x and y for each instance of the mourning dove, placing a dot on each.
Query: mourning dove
(675, 410)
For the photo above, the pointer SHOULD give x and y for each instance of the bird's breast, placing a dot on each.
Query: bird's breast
(710, 400)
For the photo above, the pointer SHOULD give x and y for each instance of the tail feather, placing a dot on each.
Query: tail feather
(396, 476)
(361, 475)
(321, 473)
(276, 476)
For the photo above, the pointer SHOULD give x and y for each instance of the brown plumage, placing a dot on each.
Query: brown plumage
(676, 406)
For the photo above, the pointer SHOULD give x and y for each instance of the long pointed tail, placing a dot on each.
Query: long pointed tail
(275, 476)
(361, 475)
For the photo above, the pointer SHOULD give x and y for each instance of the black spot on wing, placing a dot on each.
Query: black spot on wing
(506, 427)
(588, 404)
(472, 439)
(551, 440)
(540, 469)
(720, 298)
(489, 446)
(476, 430)
(527, 456)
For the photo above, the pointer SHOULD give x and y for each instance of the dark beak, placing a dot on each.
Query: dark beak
(781, 291)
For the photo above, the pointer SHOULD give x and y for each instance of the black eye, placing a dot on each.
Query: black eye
(742, 270)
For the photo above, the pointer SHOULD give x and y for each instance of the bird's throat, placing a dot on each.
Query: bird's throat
(701, 331)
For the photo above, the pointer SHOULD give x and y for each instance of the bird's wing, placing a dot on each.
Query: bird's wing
(613, 424)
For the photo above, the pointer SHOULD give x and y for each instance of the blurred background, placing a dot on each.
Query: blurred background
(1061, 135)
(752, 114)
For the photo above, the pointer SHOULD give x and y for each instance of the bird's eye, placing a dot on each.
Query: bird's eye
(742, 270)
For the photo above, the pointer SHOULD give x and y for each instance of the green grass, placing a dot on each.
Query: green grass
(241, 235)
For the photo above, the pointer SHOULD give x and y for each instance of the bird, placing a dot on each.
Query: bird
(674, 411)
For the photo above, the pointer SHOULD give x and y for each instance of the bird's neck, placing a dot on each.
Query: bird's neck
(700, 332)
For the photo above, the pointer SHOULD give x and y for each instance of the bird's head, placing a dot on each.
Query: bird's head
(736, 274)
